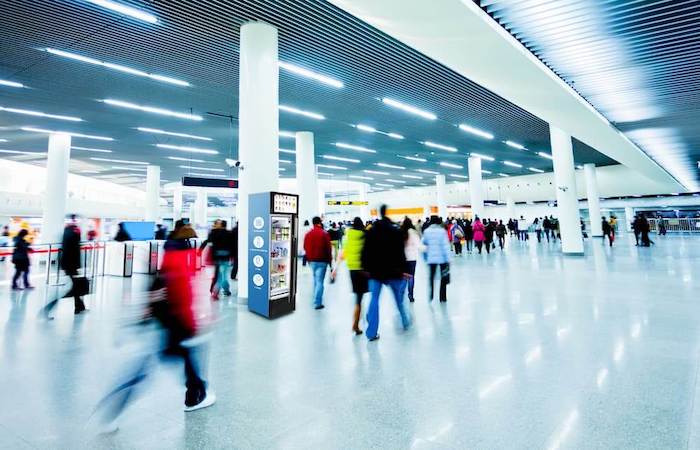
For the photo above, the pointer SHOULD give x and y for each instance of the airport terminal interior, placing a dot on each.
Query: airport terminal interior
(352, 224)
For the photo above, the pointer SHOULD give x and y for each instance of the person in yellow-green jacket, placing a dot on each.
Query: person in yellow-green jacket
(352, 253)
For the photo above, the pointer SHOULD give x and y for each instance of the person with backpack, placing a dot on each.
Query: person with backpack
(20, 258)
(457, 233)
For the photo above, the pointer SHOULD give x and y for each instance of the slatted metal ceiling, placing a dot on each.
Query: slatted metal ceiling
(197, 41)
(637, 62)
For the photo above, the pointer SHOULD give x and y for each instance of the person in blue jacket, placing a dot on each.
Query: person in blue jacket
(437, 250)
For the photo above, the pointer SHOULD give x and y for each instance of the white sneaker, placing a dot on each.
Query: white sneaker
(209, 400)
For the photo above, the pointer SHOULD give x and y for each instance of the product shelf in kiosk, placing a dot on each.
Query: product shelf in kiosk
(272, 253)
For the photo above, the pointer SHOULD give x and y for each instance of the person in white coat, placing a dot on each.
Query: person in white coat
(412, 247)
(437, 255)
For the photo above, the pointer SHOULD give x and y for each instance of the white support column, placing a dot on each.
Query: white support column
(510, 208)
(440, 190)
(54, 205)
(258, 127)
(589, 171)
(567, 201)
(629, 218)
(152, 194)
(307, 180)
(364, 209)
(476, 186)
(200, 209)
(177, 204)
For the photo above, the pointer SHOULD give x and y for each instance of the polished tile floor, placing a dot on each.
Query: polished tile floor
(532, 350)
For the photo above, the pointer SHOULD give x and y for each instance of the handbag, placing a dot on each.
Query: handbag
(445, 272)
(81, 286)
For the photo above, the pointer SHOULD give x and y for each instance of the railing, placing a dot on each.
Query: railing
(686, 225)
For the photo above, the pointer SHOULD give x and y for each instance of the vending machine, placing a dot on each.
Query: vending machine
(272, 253)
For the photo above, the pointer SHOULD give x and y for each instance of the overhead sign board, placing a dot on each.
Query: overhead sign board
(210, 182)
(347, 203)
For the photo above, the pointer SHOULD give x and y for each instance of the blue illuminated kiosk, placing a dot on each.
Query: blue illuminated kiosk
(272, 253)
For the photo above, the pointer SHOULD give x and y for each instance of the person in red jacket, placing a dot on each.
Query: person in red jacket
(479, 233)
(317, 246)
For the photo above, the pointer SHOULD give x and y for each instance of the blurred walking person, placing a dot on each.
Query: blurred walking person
(501, 232)
(20, 258)
(317, 246)
(479, 236)
(412, 243)
(457, 233)
(437, 248)
(384, 259)
(221, 243)
(71, 263)
(185, 326)
(608, 231)
(352, 254)
(538, 229)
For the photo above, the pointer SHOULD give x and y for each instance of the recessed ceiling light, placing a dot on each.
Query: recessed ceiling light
(287, 134)
(301, 112)
(440, 146)
(11, 84)
(413, 158)
(40, 114)
(309, 74)
(579, 167)
(171, 133)
(340, 158)
(390, 166)
(476, 131)
(512, 164)
(135, 169)
(366, 128)
(282, 169)
(152, 109)
(487, 172)
(392, 180)
(3, 140)
(285, 161)
(532, 169)
(375, 172)
(454, 166)
(90, 149)
(503, 174)
(119, 161)
(20, 152)
(209, 175)
(284, 150)
(485, 157)
(86, 136)
(188, 149)
(394, 135)
(178, 158)
(329, 166)
(207, 169)
(325, 174)
(514, 145)
(117, 67)
(384, 185)
(459, 176)
(354, 147)
(430, 172)
(126, 10)
(360, 177)
(414, 177)
(544, 155)
(408, 108)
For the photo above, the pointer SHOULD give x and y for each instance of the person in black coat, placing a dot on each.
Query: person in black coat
(20, 258)
(384, 259)
(71, 263)
(122, 234)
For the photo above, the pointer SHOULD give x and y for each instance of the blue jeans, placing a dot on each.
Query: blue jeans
(319, 270)
(375, 288)
(222, 268)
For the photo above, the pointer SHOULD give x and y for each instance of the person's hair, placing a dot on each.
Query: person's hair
(476, 218)
(179, 223)
(357, 224)
(224, 224)
(22, 233)
(435, 220)
(382, 211)
(306, 223)
(120, 225)
(406, 225)
(316, 220)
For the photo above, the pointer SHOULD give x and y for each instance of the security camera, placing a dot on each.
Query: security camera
(234, 163)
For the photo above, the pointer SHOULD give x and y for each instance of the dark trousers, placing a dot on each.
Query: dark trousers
(546, 233)
(636, 237)
(501, 241)
(234, 268)
(479, 245)
(21, 272)
(458, 247)
(469, 245)
(116, 401)
(539, 235)
(610, 238)
(443, 282)
(411, 270)
(78, 302)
